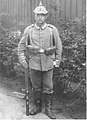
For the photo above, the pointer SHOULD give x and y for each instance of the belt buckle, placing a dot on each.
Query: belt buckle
(41, 50)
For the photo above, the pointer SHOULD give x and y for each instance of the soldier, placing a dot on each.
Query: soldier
(45, 46)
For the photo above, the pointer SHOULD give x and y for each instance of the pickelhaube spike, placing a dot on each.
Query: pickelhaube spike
(40, 4)
(40, 9)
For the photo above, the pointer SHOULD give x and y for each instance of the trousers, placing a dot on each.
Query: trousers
(42, 80)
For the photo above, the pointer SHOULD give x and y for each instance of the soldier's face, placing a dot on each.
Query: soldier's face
(40, 18)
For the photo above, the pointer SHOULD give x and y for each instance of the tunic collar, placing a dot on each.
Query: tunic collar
(43, 27)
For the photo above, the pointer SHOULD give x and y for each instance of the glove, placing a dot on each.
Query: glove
(56, 63)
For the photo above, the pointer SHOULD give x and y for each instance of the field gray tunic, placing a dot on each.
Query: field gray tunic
(42, 38)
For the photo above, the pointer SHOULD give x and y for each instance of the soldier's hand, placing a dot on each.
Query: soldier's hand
(24, 63)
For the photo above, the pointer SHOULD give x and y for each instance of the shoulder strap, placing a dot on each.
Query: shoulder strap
(28, 40)
(51, 33)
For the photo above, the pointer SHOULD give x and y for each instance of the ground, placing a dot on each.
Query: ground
(12, 107)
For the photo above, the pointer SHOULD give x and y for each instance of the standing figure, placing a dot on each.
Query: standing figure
(44, 46)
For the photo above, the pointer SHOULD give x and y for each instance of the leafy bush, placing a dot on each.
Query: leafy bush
(8, 44)
(73, 65)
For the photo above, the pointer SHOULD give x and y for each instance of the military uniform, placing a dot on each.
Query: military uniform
(40, 64)
(41, 38)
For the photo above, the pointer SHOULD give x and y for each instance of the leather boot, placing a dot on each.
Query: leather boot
(37, 101)
(48, 106)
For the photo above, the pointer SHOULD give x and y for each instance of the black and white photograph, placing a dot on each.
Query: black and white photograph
(43, 59)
